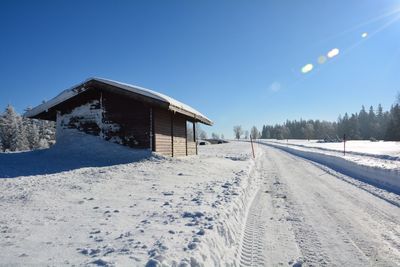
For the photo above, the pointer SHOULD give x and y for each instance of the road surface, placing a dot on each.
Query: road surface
(305, 216)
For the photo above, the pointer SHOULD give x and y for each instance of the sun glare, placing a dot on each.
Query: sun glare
(321, 59)
(307, 68)
(333, 53)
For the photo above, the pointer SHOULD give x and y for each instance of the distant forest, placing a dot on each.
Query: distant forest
(374, 124)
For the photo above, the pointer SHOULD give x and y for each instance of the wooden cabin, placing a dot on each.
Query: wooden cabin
(125, 114)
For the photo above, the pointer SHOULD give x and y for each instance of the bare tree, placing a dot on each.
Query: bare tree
(238, 131)
(214, 136)
(203, 135)
(200, 133)
(255, 134)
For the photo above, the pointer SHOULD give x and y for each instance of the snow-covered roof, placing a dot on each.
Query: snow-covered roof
(174, 105)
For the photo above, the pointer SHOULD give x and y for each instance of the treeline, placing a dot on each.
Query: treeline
(20, 134)
(374, 124)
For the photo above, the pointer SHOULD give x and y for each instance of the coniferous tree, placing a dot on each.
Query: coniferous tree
(33, 134)
(9, 129)
(393, 129)
(18, 134)
(379, 124)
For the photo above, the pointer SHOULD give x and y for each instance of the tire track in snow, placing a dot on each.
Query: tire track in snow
(252, 247)
(305, 236)
(301, 217)
(267, 239)
(349, 224)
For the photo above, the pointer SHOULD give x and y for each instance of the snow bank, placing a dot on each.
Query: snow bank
(385, 178)
(73, 150)
(380, 149)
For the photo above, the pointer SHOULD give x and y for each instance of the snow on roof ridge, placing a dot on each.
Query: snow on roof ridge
(69, 93)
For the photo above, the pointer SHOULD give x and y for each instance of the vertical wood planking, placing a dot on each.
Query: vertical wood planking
(179, 135)
(162, 132)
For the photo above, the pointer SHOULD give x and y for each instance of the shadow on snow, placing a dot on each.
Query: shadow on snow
(73, 151)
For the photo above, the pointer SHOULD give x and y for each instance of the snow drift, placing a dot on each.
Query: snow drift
(73, 150)
(388, 179)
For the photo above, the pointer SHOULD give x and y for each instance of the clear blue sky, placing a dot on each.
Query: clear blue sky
(238, 62)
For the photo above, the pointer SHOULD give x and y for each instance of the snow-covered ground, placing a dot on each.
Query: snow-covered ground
(362, 159)
(97, 203)
(105, 204)
(381, 154)
(381, 149)
(308, 215)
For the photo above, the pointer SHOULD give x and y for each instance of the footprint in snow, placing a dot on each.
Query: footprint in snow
(99, 239)
(88, 251)
(100, 262)
(201, 232)
(192, 245)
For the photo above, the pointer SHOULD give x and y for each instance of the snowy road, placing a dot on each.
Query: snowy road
(303, 214)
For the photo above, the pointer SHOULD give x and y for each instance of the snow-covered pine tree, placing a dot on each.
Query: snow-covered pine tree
(19, 137)
(12, 131)
(32, 130)
(47, 133)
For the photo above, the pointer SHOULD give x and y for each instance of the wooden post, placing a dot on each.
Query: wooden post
(194, 136)
(172, 134)
(151, 130)
(252, 147)
(186, 137)
(344, 145)
(102, 115)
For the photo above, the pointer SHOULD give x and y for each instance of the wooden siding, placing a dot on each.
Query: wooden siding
(191, 148)
(115, 117)
(179, 133)
(162, 132)
(127, 121)
(132, 117)
(191, 145)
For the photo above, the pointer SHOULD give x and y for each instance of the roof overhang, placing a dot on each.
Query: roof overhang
(48, 109)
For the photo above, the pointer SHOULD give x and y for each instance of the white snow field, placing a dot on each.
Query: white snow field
(377, 163)
(381, 149)
(112, 206)
(123, 207)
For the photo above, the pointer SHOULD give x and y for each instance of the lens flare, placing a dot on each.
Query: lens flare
(307, 68)
(364, 35)
(333, 53)
(321, 59)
